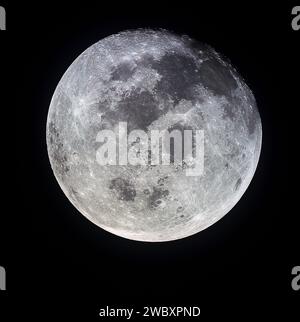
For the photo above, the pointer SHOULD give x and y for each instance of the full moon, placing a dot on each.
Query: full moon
(153, 80)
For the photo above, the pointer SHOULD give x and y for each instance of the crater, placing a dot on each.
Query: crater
(156, 197)
(180, 209)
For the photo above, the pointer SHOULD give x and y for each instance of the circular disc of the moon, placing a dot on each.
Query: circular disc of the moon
(153, 80)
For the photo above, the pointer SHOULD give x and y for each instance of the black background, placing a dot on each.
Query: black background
(58, 263)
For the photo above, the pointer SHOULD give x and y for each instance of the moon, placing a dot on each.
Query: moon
(153, 79)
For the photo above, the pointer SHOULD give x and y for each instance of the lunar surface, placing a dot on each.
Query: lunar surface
(153, 79)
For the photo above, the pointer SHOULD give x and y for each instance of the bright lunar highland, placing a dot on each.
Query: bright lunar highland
(153, 80)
